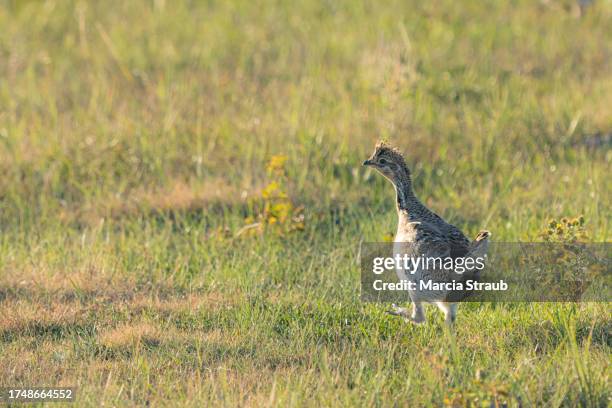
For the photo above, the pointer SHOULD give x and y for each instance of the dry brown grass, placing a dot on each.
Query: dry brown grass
(191, 302)
(127, 336)
(26, 318)
(177, 196)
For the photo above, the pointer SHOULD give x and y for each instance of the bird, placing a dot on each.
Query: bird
(420, 231)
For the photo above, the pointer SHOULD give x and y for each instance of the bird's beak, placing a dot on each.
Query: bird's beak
(368, 163)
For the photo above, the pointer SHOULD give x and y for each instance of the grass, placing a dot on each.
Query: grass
(134, 140)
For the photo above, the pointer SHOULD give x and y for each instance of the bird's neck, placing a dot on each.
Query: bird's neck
(407, 203)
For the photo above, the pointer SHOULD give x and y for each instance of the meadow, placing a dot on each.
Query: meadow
(182, 200)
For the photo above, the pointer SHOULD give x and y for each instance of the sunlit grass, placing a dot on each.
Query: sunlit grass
(138, 140)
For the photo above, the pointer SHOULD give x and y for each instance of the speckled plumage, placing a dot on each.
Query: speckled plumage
(421, 231)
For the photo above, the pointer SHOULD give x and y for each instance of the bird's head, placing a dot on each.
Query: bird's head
(389, 162)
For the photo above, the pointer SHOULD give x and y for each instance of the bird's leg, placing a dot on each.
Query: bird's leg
(449, 310)
(417, 313)
(418, 316)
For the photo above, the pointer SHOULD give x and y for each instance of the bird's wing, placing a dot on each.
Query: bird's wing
(459, 244)
(431, 242)
(425, 240)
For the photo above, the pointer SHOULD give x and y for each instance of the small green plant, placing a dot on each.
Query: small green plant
(278, 213)
(565, 230)
(568, 266)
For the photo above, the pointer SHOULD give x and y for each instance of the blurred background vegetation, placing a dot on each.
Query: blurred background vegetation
(181, 197)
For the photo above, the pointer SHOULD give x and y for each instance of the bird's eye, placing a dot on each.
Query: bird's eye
(382, 161)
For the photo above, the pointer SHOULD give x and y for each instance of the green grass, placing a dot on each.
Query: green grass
(134, 138)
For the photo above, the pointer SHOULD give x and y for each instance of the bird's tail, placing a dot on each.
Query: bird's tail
(480, 245)
(482, 235)
(478, 249)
